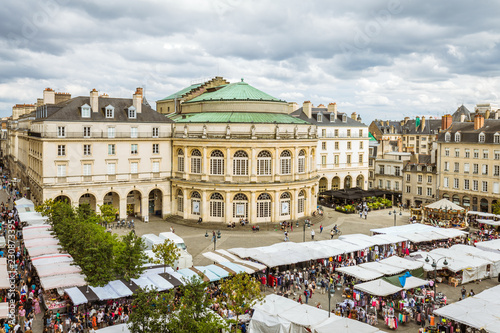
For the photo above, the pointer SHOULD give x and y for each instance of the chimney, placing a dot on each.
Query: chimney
(332, 107)
(446, 121)
(292, 106)
(422, 124)
(406, 119)
(496, 114)
(400, 145)
(462, 118)
(353, 116)
(478, 121)
(49, 96)
(137, 100)
(359, 118)
(307, 109)
(487, 114)
(94, 100)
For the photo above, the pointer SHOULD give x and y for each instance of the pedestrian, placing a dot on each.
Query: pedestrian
(286, 236)
(471, 293)
(464, 292)
(213, 236)
(360, 213)
(365, 213)
(331, 234)
(321, 228)
(312, 236)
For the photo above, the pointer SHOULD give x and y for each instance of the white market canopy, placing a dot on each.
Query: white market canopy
(378, 288)
(490, 222)
(120, 328)
(403, 263)
(418, 233)
(33, 218)
(274, 304)
(24, 202)
(344, 325)
(4, 310)
(4, 274)
(479, 311)
(444, 204)
(360, 273)
(304, 316)
(471, 212)
(382, 268)
(491, 246)
(62, 281)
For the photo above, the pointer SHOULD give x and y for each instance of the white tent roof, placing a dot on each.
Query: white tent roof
(274, 304)
(4, 310)
(471, 212)
(360, 273)
(33, 218)
(263, 322)
(24, 202)
(121, 328)
(492, 245)
(378, 288)
(25, 209)
(479, 311)
(4, 274)
(344, 325)
(403, 263)
(51, 259)
(42, 250)
(39, 242)
(444, 204)
(386, 239)
(490, 222)
(359, 239)
(414, 282)
(382, 268)
(304, 316)
(62, 281)
(57, 269)
(415, 227)
(77, 297)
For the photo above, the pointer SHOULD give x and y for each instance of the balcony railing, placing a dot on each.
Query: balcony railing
(98, 135)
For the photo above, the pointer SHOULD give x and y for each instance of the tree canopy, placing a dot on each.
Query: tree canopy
(166, 254)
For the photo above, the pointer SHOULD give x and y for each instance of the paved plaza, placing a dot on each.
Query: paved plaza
(197, 243)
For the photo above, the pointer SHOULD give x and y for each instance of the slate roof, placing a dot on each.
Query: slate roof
(469, 134)
(386, 129)
(237, 117)
(431, 127)
(327, 118)
(460, 111)
(182, 92)
(239, 91)
(70, 110)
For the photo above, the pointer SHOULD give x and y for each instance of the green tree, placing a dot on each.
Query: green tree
(130, 257)
(155, 312)
(240, 293)
(496, 207)
(166, 254)
(108, 213)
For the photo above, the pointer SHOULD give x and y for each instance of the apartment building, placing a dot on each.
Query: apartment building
(419, 181)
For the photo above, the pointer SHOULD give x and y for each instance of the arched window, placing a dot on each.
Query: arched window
(301, 202)
(240, 206)
(240, 163)
(302, 161)
(447, 137)
(216, 205)
(457, 137)
(195, 203)
(482, 137)
(264, 205)
(285, 204)
(195, 161)
(180, 201)
(180, 160)
(286, 162)
(264, 163)
(217, 163)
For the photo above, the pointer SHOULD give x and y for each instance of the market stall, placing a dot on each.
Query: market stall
(344, 325)
(491, 246)
(32, 218)
(378, 287)
(360, 273)
(4, 310)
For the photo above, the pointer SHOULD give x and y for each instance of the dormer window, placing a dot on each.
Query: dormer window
(429, 169)
(344, 118)
(447, 137)
(85, 111)
(319, 117)
(110, 111)
(132, 114)
(457, 137)
(496, 138)
(332, 118)
(482, 137)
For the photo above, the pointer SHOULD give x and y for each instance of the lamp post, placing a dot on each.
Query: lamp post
(434, 265)
(331, 292)
(215, 237)
(395, 214)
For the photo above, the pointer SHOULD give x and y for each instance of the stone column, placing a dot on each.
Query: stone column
(185, 212)
(277, 164)
(294, 204)
(252, 207)
(123, 207)
(228, 208)
(144, 206)
(229, 163)
(276, 213)
(205, 160)
(205, 213)
(252, 167)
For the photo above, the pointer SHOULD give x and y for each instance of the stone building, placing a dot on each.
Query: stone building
(419, 181)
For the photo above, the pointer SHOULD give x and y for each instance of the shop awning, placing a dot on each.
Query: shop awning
(62, 281)
(382, 268)
(4, 310)
(360, 273)
(378, 288)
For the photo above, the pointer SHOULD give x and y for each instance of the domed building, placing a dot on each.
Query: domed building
(239, 154)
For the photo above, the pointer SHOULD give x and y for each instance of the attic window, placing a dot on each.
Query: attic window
(344, 118)
(447, 137)
(429, 169)
(85, 111)
(110, 111)
(132, 114)
(457, 137)
(496, 138)
(320, 117)
(332, 118)
(482, 137)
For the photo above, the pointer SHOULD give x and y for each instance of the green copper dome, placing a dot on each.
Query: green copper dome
(240, 91)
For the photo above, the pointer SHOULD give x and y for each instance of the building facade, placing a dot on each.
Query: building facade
(419, 181)
(342, 158)
(469, 162)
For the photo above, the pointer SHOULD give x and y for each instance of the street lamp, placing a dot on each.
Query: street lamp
(395, 214)
(214, 238)
(331, 292)
(306, 222)
(434, 265)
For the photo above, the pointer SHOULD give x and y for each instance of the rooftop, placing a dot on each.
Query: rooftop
(182, 92)
(237, 117)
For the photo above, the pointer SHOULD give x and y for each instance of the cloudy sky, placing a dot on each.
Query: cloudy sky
(383, 59)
